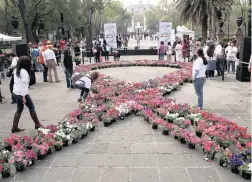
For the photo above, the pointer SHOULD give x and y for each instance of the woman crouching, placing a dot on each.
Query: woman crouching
(84, 83)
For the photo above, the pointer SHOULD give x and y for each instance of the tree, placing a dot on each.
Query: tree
(114, 12)
(201, 10)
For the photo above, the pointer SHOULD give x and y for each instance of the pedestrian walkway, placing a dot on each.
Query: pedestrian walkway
(129, 150)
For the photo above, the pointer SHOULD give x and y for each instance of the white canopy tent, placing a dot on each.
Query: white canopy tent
(7, 38)
(182, 30)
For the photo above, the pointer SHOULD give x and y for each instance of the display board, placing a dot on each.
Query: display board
(165, 32)
(110, 33)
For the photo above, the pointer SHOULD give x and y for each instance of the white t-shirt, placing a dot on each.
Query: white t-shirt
(231, 53)
(199, 65)
(21, 84)
(87, 80)
(169, 49)
(218, 50)
(178, 49)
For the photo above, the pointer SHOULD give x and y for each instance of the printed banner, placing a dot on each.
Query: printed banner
(165, 32)
(110, 33)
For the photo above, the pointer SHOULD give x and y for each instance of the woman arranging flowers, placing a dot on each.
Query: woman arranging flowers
(21, 93)
(84, 83)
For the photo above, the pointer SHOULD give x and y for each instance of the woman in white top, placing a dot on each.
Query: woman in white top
(169, 51)
(199, 76)
(84, 83)
(231, 56)
(178, 50)
(21, 93)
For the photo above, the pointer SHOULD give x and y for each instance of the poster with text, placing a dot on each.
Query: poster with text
(165, 32)
(110, 33)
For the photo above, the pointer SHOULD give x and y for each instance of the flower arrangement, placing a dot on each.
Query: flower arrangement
(19, 160)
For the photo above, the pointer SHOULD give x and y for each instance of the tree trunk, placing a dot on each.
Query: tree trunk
(89, 37)
(204, 28)
(23, 11)
(214, 20)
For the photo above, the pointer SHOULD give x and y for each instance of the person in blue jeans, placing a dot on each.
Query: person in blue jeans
(21, 93)
(68, 66)
(199, 76)
(161, 51)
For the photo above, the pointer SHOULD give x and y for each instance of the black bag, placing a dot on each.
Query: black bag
(9, 73)
(32, 78)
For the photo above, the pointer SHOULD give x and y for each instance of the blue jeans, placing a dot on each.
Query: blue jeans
(198, 86)
(20, 105)
(69, 73)
(161, 56)
(232, 64)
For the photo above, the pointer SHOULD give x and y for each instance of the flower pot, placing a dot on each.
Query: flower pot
(19, 167)
(211, 156)
(235, 169)
(9, 148)
(191, 146)
(246, 175)
(106, 124)
(5, 174)
(58, 147)
(31, 162)
(176, 137)
(165, 132)
(182, 140)
(82, 136)
(92, 129)
(121, 117)
(198, 134)
(40, 157)
(113, 121)
(223, 163)
(146, 119)
(65, 143)
(75, 140)
(154, 126)
(170, 120)
(29, 147)
(192, 122)
(243, 145)
(49, 151)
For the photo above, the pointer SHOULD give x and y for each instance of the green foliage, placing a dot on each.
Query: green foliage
(114, 12)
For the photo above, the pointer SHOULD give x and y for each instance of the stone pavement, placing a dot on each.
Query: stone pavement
(129, 150)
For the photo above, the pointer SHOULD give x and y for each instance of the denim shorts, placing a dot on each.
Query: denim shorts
(20, 105)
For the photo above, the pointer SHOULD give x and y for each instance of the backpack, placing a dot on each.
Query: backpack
(76, 76)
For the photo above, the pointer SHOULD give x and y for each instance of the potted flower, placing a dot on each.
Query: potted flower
(236, 161)
(40, 149)
(224, 157)
(62, 136)
(83, 131)
(194, 118)
(4, 156)
(19, 160)
(200, 127)
(209, 147)
(246, 171)
(30, 156)
(190, 138)
(171, 117)
(6, 168)
(27, 142)
(58, 145)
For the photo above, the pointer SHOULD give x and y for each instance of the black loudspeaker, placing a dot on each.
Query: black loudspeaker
(245, 51)
(22, 50)
(242, 73)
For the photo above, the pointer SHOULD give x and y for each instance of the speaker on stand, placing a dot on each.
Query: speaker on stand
(242, 73)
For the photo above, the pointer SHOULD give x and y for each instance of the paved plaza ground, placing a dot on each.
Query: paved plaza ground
(129, 150)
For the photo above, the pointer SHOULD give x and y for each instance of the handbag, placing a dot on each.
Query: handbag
(9, 72)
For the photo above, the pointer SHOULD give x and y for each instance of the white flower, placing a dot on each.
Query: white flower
(44, 131)
(250, 166)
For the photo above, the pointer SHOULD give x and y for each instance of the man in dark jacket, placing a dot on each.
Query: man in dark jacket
(77, 54)
(68, 66)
